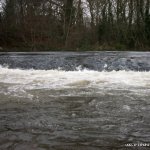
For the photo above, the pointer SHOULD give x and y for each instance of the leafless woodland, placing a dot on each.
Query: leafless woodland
(75, 24)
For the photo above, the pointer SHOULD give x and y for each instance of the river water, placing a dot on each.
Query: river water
(74, 101)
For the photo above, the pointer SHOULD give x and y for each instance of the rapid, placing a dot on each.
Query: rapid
(74, 100)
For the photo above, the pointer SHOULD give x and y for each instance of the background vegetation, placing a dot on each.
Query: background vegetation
(75, 24)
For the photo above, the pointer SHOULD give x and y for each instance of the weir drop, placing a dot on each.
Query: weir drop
(68, 100)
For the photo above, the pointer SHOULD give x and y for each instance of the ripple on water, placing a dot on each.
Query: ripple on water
(81, 109)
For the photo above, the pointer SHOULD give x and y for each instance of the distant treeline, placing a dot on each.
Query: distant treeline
(75, 24)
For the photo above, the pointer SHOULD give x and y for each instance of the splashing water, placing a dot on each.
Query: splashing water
(25, 80)
(79, 109)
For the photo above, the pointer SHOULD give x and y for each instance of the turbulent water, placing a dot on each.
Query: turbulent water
(63, 104)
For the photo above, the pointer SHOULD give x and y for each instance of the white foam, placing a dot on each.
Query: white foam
(126, 107)
(23, 80)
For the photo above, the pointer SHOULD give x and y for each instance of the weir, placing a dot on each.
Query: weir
(68, 100)
(136, 61)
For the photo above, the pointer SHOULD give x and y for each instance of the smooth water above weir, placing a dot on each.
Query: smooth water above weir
(74, 101)
(70, 61)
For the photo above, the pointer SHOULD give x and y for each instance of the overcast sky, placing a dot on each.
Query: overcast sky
(1, 5)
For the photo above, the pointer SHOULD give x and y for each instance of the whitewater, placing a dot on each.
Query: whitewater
(64, 101)
(18, 81)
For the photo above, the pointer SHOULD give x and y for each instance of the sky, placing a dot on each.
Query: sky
(83, 1)
(0, 5)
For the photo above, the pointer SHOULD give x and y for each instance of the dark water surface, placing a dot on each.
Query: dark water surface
(74, 101)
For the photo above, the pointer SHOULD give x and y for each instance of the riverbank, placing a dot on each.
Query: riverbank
(91, 48)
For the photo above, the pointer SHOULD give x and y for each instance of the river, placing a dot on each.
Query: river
(74, 100)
